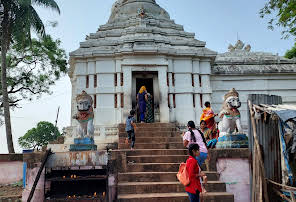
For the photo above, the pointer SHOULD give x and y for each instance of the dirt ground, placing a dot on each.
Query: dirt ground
(12, 190)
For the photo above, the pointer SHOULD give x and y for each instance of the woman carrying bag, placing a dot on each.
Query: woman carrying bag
(194, 188)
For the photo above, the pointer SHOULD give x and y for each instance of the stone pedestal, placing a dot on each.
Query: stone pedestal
(233, 141)
(83, 144)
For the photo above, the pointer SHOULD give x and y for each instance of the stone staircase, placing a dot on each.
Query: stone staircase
(152, 167)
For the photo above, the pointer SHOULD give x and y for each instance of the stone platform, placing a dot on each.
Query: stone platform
(233, 141)
(83, 144)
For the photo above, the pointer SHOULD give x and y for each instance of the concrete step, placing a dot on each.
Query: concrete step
(175, 197)
(171, 145)
(164, 187)
(153, 140)
(140, 152)
(153, 134)
(157, 176)
(149, 187)
(215, 186)
(158, 158)
(156, 167)
(151, 125)
(217, 197)
(155, 130)
(154, 197)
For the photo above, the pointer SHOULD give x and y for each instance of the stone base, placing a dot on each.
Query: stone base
(83, 144)
(83, 147)
(86, 140)
(233, 141)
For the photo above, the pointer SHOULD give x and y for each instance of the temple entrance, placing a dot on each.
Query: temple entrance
(150, 81)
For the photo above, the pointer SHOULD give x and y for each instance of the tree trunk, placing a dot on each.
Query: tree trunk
(4, 47)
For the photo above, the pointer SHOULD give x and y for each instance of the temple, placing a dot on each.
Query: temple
(141, 45)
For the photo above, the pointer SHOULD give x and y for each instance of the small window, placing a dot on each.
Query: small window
(201, 100)
(95, 101)
(169, 101)
(192, 77)
(193, 97)
(168, 82)
(121, 79)
(115, 100)
(200, 84)
(173, 79)
(95, 81)
(87, 81)
(174, 100)
(115, 79)
(122, 100)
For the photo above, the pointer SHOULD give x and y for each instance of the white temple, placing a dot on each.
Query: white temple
(141, 45)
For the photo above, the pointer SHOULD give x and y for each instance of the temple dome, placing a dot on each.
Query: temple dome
(125, 9)
(141, 27)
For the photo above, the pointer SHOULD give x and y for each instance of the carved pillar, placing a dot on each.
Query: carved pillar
(163, 105)
(127, 88)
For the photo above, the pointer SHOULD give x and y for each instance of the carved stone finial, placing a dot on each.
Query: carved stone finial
(247, 48)
(239, 45)
(231, 48)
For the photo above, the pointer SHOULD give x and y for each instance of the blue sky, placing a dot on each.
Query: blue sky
(216, 22)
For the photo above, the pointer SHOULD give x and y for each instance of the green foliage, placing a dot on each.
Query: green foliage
(283, 14)
(291, 53)
(40, 136)
(20, 18)
(32, 67)
(17, 19)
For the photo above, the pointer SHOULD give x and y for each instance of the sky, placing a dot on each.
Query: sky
(217, 22)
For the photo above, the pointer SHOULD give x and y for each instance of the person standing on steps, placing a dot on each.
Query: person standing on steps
(193, 136)
(130, 128)
(194, 188)
(208, 116)
(141, 99)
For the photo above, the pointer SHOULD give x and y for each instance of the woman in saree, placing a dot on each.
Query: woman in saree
(209, 135)
(142, 98)
(208, 116)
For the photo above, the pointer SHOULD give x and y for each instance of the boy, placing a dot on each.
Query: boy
(130, 128)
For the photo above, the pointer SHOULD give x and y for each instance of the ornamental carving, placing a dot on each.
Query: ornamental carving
(239, 46)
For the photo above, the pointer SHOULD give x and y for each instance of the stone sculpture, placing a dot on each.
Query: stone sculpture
(231, 121)
(230, 114)
(239, 46)
(247, 48)
(141, 12)
(85, 115)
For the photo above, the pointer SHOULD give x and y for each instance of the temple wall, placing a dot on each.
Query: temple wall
(183, 85)
(272, 84)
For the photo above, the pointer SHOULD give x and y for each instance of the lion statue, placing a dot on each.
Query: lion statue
(85, 115)
(230, 115)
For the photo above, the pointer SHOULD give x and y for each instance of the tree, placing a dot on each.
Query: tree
(32, 68)
(40, 136)
(291, 53)
(283, 14)
(18, 18)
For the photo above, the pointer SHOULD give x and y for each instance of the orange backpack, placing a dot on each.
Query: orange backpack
(182, 175)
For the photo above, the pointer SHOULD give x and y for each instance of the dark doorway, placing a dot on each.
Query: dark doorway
(148, 83)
